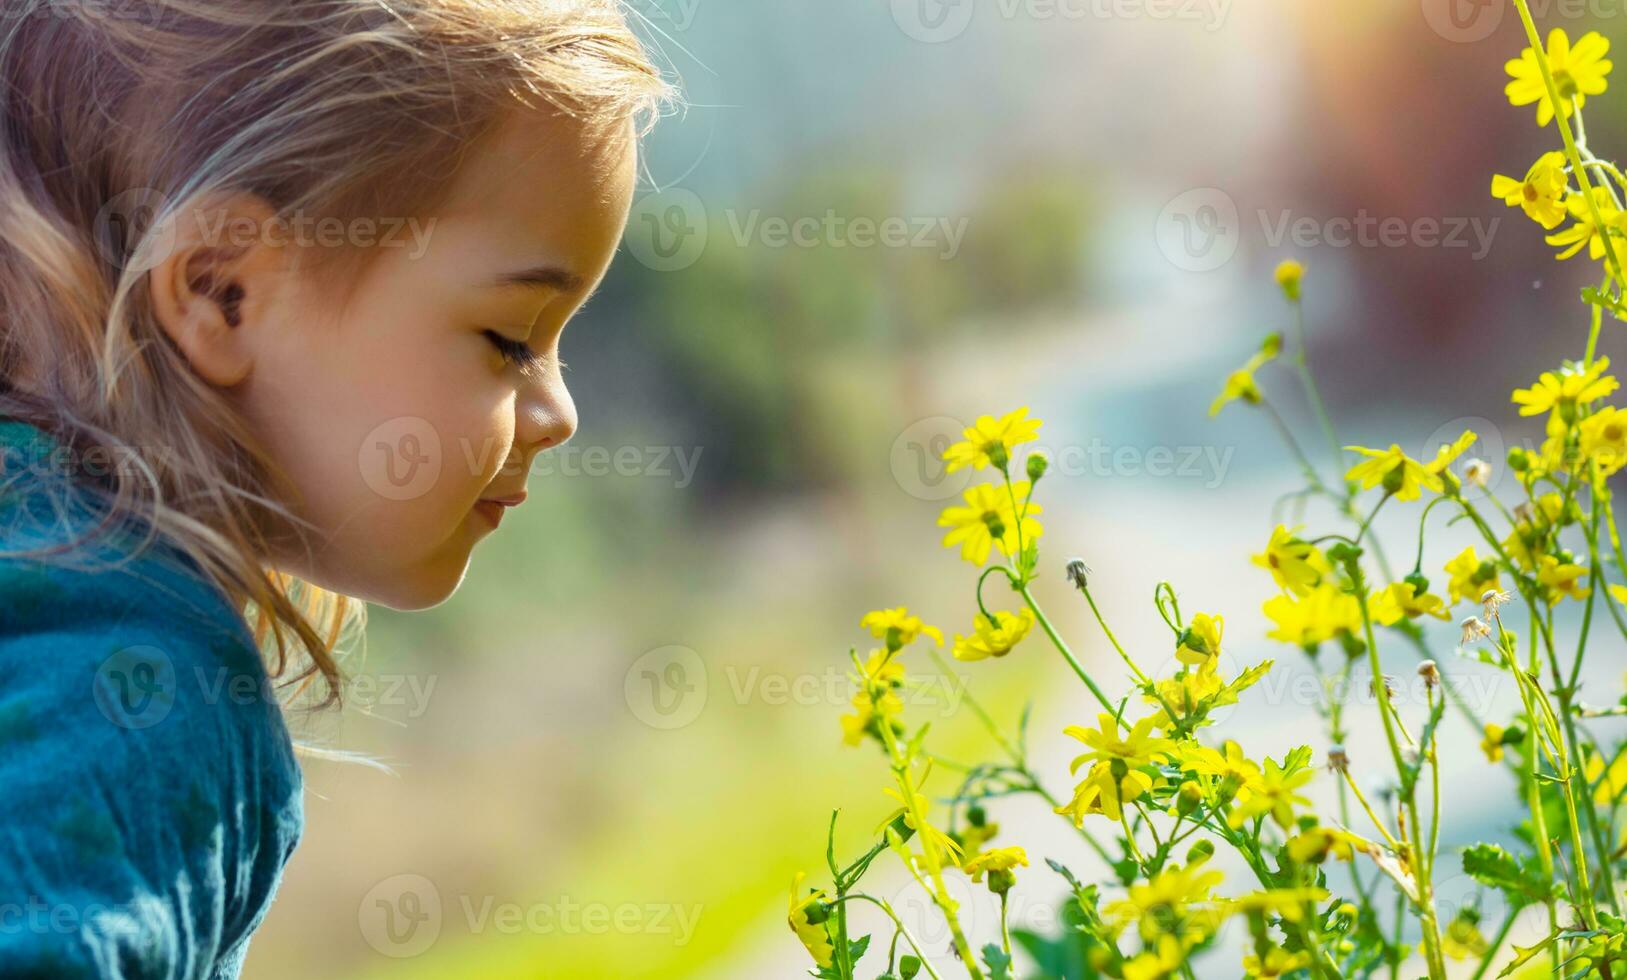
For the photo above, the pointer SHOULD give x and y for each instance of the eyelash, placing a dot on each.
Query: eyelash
(513, 351)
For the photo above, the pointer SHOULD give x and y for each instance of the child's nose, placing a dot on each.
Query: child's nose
(545, 421)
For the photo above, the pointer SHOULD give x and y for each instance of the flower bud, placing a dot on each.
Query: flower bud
(1272, 345)
(1001, 881)
(1519, 460)
(1289, 274)
(908, 967)
(1344, 552)
(976, 816)
(1189, 799)
(1200, 852)
(1037, 465)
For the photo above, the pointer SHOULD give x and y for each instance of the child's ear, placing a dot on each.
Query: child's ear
(217, 284)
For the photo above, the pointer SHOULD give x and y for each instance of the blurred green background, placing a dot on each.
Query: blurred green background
(614, 747)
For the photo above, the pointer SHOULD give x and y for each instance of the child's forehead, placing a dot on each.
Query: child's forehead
(536, 156)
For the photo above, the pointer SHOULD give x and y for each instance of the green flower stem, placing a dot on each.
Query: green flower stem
(1102, 622)
(1575, 156)
(901, 929)
(1533, 791)
(1005, 929)
(1017, 758)
(1307, 380)
(1067, 654)
(1311, 476)
(1426, 897)
(906, 785)
(1434, 791)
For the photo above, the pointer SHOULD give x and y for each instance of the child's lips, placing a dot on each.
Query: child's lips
(492, 508)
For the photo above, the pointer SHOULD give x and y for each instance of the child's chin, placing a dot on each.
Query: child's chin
(429, 587)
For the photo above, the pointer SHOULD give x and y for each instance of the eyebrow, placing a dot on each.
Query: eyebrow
(541, 277)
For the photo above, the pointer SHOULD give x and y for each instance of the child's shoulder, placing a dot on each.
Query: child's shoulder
(141, 744)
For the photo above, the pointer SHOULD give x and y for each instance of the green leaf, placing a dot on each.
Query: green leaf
(1526, 955)
(998, 962)
(1522, 881)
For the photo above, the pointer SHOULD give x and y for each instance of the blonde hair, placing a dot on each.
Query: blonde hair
(334, 108)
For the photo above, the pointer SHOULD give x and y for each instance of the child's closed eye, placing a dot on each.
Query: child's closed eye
(513, 351)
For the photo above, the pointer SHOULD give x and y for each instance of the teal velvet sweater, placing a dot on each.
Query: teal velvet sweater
(149, 793)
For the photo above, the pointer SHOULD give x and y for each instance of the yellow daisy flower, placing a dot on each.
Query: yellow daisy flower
(1541, 194)
(814, 936)
(1162, 959)
(1401, 600)
(1492, 744)
(988, 509)
(1240, 383)
(1321, 615)
(1228, 764)
(1275, 963)
(1101, 793)
(1585, 232)
(990, 441)
(999, 859)
(1569, 387)
(1139, 747)
(1184, 693)
(1165, 904)
(1402, 475)
(1201, 641)
(1578, 72)
(881, 622)
(1604, 438)
(1296, 565)
(1561, 579)
(1272, 792)
(1607, 786)
(994, 637)
(1470, 577)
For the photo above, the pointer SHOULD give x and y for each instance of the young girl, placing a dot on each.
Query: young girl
(281, 290)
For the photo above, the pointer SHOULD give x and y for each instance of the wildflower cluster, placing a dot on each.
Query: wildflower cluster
(1349, 889)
